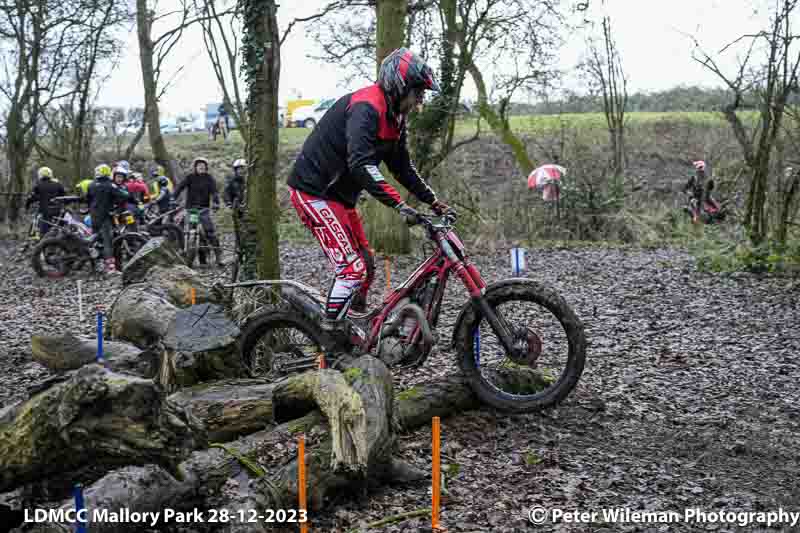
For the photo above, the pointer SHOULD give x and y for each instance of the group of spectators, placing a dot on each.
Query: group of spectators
(115, 187)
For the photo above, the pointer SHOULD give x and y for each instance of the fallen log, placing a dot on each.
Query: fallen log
(141, 317)
(259, 471)
(229, 408)
(176, 282)
(158, 251)
(96, 417)
(61, 353)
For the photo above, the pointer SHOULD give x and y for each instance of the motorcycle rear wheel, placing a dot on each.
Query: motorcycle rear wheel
(265, 338)
(58, 269)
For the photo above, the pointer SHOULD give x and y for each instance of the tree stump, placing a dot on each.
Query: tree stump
(204, 345)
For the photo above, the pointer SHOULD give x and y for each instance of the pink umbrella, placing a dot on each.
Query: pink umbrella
(547, 178)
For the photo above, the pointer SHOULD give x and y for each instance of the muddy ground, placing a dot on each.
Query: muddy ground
(688, 399)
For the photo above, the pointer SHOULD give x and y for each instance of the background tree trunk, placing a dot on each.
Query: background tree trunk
(151, 118)
(262, 69)
(386, 231)
(499, 126)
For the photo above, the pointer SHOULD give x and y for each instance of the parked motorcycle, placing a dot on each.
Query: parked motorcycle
(76, 246)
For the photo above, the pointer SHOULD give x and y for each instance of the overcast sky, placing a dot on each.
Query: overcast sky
(651, 35)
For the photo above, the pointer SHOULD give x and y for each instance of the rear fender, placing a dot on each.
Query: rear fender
(468, 311)
(303, 298)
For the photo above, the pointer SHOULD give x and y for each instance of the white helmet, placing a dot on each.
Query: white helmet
(239, 163)
(121, 170)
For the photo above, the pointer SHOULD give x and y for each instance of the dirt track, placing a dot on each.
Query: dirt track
(688, 399)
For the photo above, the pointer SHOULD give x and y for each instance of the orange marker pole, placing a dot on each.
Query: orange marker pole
(437, 475)
(301, 479)
(194, 296)
(321, 360)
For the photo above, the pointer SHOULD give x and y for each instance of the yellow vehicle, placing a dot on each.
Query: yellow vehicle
(291, 105)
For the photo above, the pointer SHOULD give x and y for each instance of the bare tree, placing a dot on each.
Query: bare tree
(773, 81)
(153, 51)
(40, 43)
(222, 46)
(72, 131)
(460, 37)
(604, 68)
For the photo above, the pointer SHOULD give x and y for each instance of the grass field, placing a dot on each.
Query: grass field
(525, 124)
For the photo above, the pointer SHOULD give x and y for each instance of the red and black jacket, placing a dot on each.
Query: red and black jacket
(341, 156)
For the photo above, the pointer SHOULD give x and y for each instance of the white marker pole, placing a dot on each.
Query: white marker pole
(80, 300)
(517, 260)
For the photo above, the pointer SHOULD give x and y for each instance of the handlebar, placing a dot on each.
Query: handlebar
(424, 219)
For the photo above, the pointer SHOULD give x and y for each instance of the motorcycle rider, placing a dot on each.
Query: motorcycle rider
(83, 187)
(156, 173)
(47, 189)
(200, 188)
(164, 198)
(234, 184)
(699, 189)
(103, 196)
(340, 158)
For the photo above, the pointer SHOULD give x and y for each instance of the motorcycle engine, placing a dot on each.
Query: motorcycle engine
(395, 349)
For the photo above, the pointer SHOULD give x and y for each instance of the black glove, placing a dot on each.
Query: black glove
(409, 213)
(441, 208)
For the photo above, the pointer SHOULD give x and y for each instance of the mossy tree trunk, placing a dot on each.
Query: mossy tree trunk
(258, 228)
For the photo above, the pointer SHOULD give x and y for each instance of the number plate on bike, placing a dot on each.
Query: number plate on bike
(129, 219)
(193, 218)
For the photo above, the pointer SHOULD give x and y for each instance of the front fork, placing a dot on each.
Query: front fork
(474, 283)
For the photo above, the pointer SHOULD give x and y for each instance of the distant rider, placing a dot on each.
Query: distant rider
(200, 189)
(235, 183)
(47, 189)
(103, 196)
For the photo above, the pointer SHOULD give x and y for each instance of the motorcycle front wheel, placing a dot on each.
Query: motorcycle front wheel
(550, 348)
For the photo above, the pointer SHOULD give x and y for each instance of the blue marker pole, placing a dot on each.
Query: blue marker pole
(78, 492)
(477, 342)
(100, 337)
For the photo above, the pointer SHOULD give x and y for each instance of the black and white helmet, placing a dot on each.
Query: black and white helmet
(402, 71)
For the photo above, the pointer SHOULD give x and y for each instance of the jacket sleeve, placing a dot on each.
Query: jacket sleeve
(214, 190)
(362, 159)
(406, 173)
(121, 193)
(182, 185)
